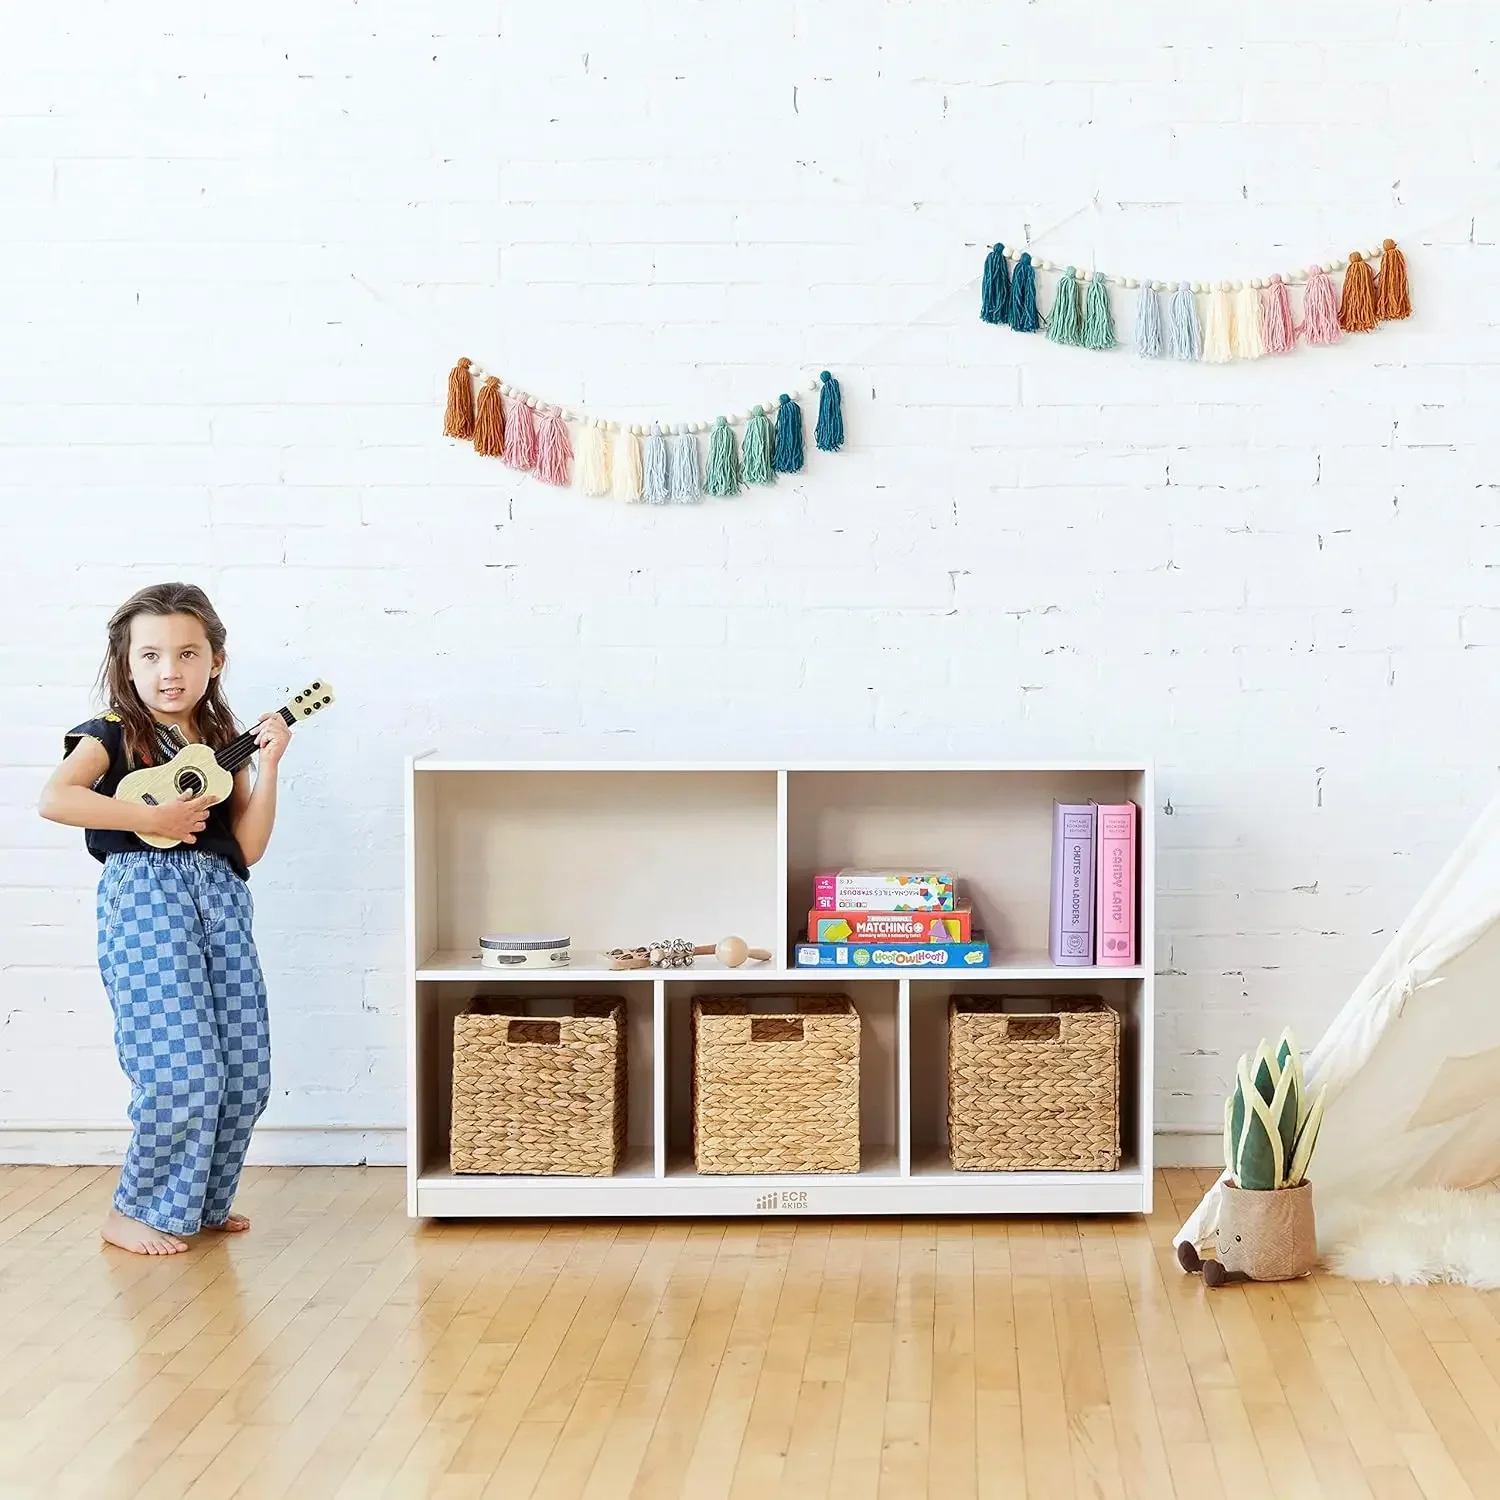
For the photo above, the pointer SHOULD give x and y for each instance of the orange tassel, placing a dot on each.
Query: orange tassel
(458, 420)
(1393, 295)
(489, 420)
(1357, 305)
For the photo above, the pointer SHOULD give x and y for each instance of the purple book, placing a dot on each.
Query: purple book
(1070, 927)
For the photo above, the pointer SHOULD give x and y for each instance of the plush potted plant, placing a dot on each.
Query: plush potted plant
(1266, 1229)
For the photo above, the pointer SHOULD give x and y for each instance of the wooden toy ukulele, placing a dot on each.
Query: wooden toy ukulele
(196, 770)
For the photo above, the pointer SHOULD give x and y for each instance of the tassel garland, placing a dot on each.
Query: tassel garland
(787, 456)
(723, 462)
(757, 449)
(554, 448)
(1320, 309)
(1187, 331)
(520, 435)
(1148, 340)
(654, 490)
(662, 464)
(625, 467)
(1277, 333)
(686, 466)
(1357, 305)
(591, 460)
(1020, 311)
(1393, 296)
(830, 432)
(996, 289)
(489, 420)
(1215, 322)
(458, 420)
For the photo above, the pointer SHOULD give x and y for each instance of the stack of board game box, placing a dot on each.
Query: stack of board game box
(890, 919)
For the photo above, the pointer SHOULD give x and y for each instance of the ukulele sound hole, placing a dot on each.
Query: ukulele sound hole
(190, 784)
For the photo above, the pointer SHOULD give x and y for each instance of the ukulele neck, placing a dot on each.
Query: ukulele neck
(238, 751)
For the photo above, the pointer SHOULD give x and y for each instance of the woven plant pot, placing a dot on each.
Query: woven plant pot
(539, 1096)
(776, 1093)
(1264, 1235)
(1033, 1092)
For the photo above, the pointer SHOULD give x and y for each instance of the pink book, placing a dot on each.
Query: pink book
(1115, 905)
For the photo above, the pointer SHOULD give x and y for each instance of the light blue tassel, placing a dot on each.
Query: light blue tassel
(1187, 331)
(654, 489)
(1147, 323)
(830, 433)
(787, 455)
(686, 469)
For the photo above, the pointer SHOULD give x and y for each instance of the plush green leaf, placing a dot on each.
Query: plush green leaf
(1265, 1073)
(1283, 1109)
(1288, 1056)
(1237, 1108)
(1229, 1131)
(1307, 1138)
(1260, 1149)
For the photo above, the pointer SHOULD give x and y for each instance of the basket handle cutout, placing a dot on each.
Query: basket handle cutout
(548, 1033)
(774, 1029)
(1034, 1028)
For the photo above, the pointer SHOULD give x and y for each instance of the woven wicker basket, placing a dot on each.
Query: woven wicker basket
(776, 1093)
(539, 1095)
(1033, 1091)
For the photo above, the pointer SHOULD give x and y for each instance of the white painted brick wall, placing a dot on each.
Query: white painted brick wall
(241, 248)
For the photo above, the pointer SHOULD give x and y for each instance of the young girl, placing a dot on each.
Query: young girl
(175, 946)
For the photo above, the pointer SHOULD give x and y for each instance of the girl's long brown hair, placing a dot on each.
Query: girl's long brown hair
(212, 720)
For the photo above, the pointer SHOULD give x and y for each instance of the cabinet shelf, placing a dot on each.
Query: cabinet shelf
(619, 853)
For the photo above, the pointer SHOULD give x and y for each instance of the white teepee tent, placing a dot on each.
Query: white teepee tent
(1412, 1067)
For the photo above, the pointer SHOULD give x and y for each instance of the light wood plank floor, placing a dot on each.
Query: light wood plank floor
(341, 1351)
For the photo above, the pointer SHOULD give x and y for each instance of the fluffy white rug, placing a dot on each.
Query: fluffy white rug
(1426, 1234)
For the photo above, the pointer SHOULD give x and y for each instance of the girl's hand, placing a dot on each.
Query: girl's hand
(273, 735)
(181, 820)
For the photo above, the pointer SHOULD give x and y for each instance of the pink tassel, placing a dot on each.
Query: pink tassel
(1277, 331)
(554, 448)
(1320, 309)
(520, 435)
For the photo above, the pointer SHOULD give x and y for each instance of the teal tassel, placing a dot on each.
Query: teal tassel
(996, 290)
(757, 449)
(723, 462)
(654, 487)
(830, 432)
(1020, 311)
(787, 459)
(1064, 322)
(685, 465)
(1098, 320)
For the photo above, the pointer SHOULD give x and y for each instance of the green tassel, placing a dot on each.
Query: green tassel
(1064, 322)
(1098, 320)
(757, 449)
(723, 462)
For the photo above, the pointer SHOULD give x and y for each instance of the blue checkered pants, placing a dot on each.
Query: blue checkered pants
(180, 966)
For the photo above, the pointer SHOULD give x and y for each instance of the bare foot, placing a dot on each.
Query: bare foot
(138, 1238)
(234, 1224)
